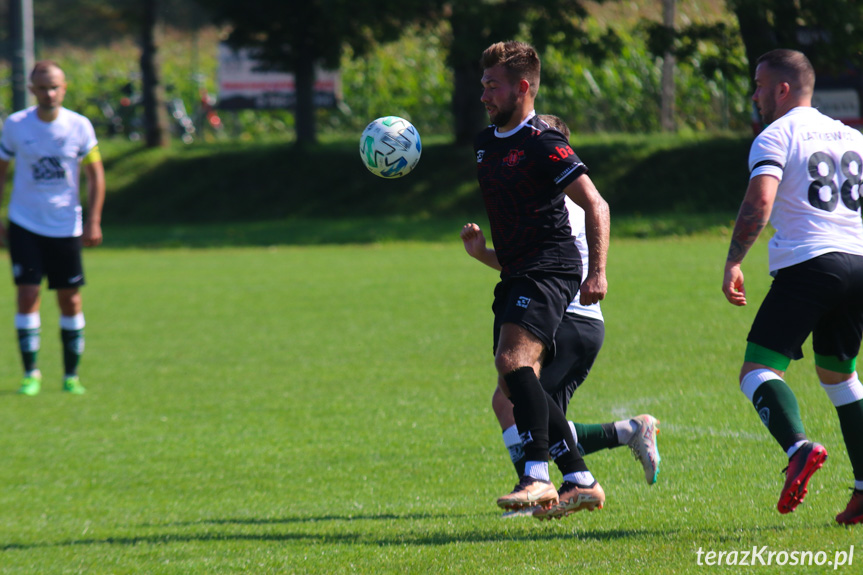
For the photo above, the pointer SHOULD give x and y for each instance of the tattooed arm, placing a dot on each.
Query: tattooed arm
(753, 216)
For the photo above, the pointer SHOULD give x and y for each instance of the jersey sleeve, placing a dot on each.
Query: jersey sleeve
(88, 138)
(768, 154)
(557, 159)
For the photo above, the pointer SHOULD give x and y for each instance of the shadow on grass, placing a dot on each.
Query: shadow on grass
(314, 232)
(353, 533)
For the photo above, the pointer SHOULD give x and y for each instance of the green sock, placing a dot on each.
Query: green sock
(851, 423)
(777, 407)
(73, 347)
(593, 437)
(847, 398)
(28, 344)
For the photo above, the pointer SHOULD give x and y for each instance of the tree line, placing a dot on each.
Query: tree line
(296, 36)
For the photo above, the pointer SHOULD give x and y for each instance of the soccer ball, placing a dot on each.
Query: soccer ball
(390, 147)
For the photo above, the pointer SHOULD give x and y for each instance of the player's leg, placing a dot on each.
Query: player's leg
(518, 359)
(65, 272)
(578, 341)
(836, 343)
(527, 314)
(579, 490)
(502, 407)
(26, 257)
(846, 395)
(799, 297)
(28, 324)
(72, 337)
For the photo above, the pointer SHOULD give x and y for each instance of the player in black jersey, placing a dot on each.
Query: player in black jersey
(522, 166)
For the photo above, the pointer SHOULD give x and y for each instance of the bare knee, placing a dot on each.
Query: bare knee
(28, 299)
(69, 301)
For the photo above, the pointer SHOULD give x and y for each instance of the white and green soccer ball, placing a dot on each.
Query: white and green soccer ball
(390, 147)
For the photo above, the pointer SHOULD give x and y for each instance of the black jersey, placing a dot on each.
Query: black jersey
(521, 177)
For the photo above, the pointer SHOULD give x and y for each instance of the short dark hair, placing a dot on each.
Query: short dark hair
(556, 123)
(519, 59)
(790, 66)
(43, 66)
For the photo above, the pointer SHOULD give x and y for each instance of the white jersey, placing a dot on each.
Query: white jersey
(45, 190)
(819, 164)
(576, 223)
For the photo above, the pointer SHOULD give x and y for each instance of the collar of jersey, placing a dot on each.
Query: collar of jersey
(516, 129)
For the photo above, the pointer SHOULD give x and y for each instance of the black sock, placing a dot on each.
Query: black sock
(563, 448)
(530, 409)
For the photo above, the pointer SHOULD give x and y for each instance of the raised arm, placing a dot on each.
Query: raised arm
(474, 245)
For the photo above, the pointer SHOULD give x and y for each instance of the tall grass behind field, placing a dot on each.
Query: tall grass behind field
(327, 410)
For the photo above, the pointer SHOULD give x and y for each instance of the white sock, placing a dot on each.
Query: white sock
(625, 430)
(846, 392)
(28, 320)
(537, 470)
(583, 478)
(753, 380)
(858, 485)
(72, 322)
(512, 441)
(793, 449)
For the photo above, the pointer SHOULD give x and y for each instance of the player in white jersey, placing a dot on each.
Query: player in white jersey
(578, 341)
(806, 171)
(46, 230)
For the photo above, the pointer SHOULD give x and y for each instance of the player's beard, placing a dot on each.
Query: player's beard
(504, 113)
(767, 109)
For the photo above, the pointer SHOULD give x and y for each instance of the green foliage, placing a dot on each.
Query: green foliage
(622, 92)
(94, 23)
(407, 78)
(410, 77)
(828, 31)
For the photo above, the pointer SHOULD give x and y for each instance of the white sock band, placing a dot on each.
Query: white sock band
(583, 478)
(625, 429)
(537, 469)
(28, 320)
(73, 322)
(753, 380)
(846, 392)
(858, 485)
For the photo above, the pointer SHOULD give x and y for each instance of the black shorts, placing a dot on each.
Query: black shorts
(34, 256)
(822, 296)
(578, 341)
(537, 303)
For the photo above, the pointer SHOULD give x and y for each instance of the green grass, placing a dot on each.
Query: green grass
(326, 409)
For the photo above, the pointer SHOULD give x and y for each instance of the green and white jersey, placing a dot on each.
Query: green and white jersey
(819, 164)
(45, 198)
(576, 223)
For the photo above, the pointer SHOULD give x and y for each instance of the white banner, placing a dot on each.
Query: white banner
(243, 84)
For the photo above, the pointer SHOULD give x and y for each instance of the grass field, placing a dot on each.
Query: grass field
(326, 409)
